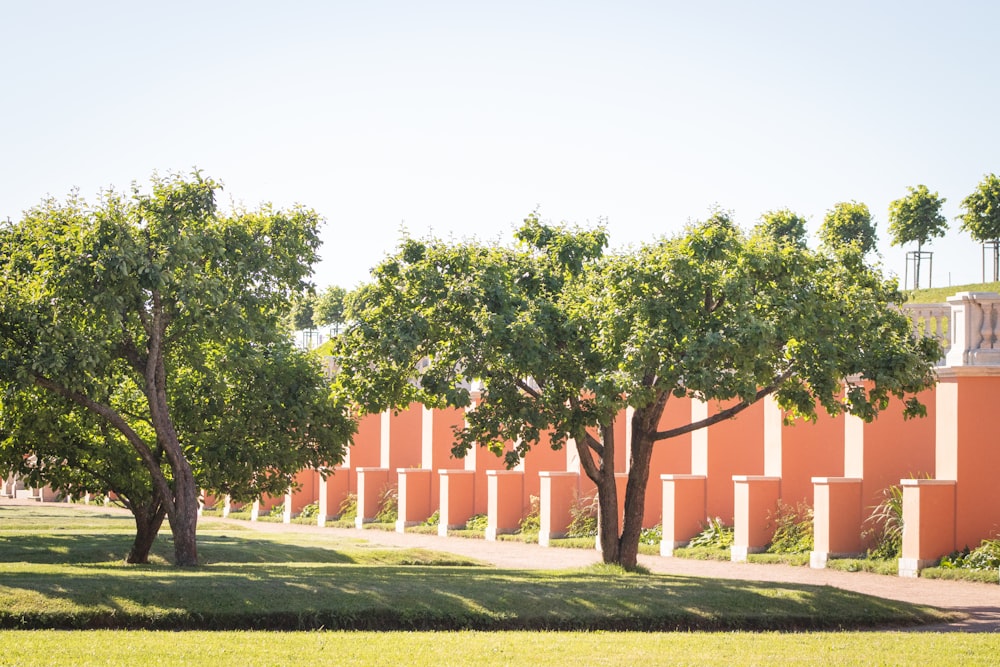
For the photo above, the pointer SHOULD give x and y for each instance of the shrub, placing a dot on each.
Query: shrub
(310, 511)
(886, 525)
(531, 524)
(652, 536)
(388, 506)
(348, 510)
(583, 518)
(716, 535)
(984, 557)
(793, 529)
(477, 522)
(433, 520)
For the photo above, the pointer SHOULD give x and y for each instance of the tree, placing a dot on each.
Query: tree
(849, 222)
(328, 309)
(917, 218)
(783, 225)
(155, 320)
(301, 314)
(982, 215)
(563, 337)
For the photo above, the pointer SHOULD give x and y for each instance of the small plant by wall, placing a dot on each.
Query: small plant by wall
(531, 524)
(885, 525)
(793, 529)
(583, 517)
(348, 510)
(388, 506)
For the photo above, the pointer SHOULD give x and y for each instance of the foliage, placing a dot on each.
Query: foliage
(300, 312)
(310, 511)
(433, 519)
(477, 523)
(652, 536)
(583, 518)
(981, 218)
(388, 505)
(715, 534)
(531, 523)
(348, 509)
(849, 223)
(793, 529)
(149, 323)
(784, 226)
(885, 525)
(328, 307)
(917, 217)
(984, 557)
(553, 339)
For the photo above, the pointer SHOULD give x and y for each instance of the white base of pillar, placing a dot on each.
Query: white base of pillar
(739, 554)
(667, 548)
(910, 567)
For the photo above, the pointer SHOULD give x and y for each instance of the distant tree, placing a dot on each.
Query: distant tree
(917, 218)
(849, 223)
(328, 308)
(982, 215)
(155, 320)
(301, 313)
(562, 338)
(783, 225)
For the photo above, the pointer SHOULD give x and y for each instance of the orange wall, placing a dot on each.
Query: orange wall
(731, 447)
(809, 449)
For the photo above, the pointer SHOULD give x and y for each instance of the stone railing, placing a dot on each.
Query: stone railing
(968, 327)
(931, 319)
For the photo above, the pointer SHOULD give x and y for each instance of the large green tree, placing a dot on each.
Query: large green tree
(155, 318)
(917, 218)
(849, 223)
(982, 216)
(562, 337)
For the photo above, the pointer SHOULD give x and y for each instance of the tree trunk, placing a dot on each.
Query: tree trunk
(147, 526)
(184, 519)
(635, 501)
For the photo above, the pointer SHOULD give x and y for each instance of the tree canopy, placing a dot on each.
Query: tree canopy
(783, 225)
(917, 217)
(557, 336)
(328, 307)
(154, 319)
(849, 223)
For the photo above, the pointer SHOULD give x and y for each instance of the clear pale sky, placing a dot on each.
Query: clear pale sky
(460, 118)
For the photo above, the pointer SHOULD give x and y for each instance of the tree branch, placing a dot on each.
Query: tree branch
(119, 423)
(725, 414)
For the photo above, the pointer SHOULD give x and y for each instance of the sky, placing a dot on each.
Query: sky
(458, 119)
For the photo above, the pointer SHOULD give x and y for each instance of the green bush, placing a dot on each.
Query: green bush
(793, 529)
(477, 523)
(531, 524)
(388, 506)
(652, 536)
(984, 557)
(583, 518)
(433, 520)
(310, 511)
(348, 510)
(885, 525)
(715, 535)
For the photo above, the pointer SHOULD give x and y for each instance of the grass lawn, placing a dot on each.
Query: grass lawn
(440, 649)
(939, 294)
(60, 568)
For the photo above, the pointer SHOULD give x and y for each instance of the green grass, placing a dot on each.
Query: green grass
(70, 578)
(939, 294)
(443, 649)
